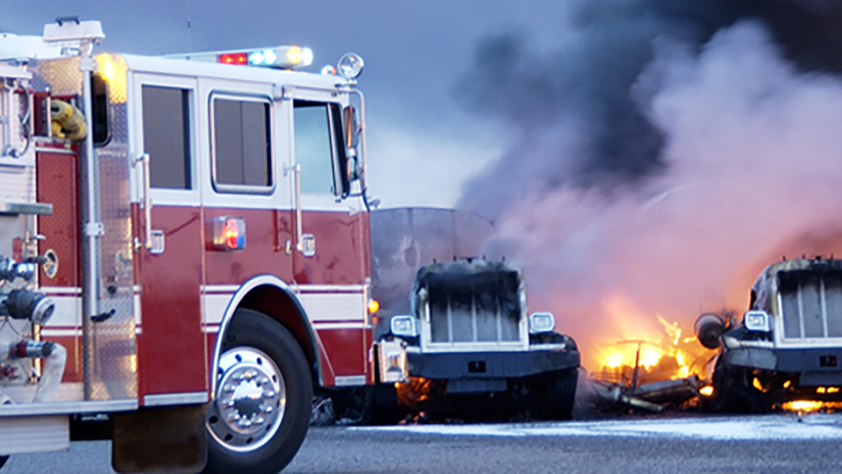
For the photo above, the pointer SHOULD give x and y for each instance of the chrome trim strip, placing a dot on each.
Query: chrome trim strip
(347, 380)
(59, 408)
(328, 326)
(189, 398)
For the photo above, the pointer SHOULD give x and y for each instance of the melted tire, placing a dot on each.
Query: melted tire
(734, 393)
(560, 394)
(256, 330)
(385, 409)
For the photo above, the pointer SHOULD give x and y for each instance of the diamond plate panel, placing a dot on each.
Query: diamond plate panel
(111, 350)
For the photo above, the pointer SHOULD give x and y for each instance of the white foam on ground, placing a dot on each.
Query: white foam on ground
(772, 427)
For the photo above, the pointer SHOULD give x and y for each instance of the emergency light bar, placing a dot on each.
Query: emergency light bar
(281, 57)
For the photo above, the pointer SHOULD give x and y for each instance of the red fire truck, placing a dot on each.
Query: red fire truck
(184, 251)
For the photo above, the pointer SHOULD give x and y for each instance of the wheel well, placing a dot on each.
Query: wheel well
(279, 305)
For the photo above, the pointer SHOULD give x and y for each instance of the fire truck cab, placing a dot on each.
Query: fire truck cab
(190, 237)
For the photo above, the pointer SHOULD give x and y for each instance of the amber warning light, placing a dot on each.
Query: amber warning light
(229, 233)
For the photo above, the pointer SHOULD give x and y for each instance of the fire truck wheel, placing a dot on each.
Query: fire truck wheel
(561, 394)
(264, 390)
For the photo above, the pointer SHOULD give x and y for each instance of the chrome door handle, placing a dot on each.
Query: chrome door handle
(147, 202)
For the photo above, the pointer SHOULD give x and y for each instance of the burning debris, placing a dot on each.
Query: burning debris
(657, 380)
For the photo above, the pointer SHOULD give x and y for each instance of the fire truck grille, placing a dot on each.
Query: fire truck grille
(812, 304)
(460, 314)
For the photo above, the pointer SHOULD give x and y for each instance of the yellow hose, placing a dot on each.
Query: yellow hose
(67, 121)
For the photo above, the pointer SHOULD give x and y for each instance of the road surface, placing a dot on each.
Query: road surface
(768, 444)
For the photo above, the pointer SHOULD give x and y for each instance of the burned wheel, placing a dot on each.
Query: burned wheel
(261, 410)
(560, 394)
(734, 392)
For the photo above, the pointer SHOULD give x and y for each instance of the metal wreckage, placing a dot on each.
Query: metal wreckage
(786, 350)
(782, 354)
(467, 358)
(472, 348)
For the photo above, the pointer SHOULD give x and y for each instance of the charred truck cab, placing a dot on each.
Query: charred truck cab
(471, 340)
(788, 346)
(184, 250)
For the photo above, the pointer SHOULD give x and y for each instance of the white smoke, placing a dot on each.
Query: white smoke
(754, 165)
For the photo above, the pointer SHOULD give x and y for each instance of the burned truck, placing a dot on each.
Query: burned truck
(472, 348)
(788, 346)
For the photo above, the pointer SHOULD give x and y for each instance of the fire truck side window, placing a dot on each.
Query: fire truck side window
(241, 146)
(314, 147)
(166, 136)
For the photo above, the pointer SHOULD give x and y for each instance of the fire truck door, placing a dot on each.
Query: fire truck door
(171, 350)
(331, 254)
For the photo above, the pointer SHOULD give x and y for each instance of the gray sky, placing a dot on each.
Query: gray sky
(422, 144)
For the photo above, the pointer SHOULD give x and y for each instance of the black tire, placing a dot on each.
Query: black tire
(251, 332)
(560, 394)
(385, 408)
(3, 460)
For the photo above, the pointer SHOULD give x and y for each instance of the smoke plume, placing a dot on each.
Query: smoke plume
(668, 151)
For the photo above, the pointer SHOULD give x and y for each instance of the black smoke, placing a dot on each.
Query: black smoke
(576, 109)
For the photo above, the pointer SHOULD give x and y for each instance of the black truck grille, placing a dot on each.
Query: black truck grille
(474, 313)
(812, 304)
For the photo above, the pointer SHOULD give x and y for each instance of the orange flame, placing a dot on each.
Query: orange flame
(651, 342)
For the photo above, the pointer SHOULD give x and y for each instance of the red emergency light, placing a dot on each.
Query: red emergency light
(229, 233)
(233, 58)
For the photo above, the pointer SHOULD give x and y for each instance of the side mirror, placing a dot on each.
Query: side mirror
(350, 130)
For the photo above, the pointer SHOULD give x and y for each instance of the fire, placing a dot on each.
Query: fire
(656, 346)
(808, 406)
(802, 405)
(707, 390)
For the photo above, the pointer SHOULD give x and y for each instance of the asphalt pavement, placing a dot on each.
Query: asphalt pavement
(764, 444)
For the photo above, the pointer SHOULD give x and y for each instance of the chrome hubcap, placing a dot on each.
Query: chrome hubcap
(250, 400)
